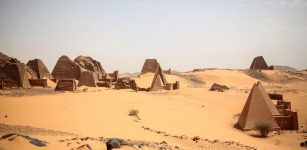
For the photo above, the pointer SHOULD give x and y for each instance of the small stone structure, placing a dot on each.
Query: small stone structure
(39, 68)
(276, 96)
(279, 116)
(169, 71)
(126, 83)
(150, 65)
(66, 85)
(218, 87)
(13, 73)
(260, 64)
(88, 78)
(66, 68)
(288, 119)
(176, 85)
(38, 82)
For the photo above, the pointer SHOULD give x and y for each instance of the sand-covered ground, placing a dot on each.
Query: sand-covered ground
(169, 119)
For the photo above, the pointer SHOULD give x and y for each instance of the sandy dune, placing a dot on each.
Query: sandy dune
(164, 115)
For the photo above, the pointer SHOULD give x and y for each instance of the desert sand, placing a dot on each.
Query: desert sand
(175, 117)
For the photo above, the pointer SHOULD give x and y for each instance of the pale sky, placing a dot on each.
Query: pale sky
(181, 34)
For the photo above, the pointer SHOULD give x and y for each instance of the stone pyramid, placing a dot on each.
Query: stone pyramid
(39, 68)
(256, 110)
(159, 79)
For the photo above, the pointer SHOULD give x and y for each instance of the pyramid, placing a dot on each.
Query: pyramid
(90, 64)
(268, 100)
(66, 68)
(256, 110)
(259, 64)
(150, 65)
(13, 73)
(87, 78)
(39, 68)
(159, 79)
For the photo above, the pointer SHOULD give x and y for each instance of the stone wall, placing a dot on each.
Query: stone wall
(66, 85)
(38, 82)
(88, 78)
(287, 122)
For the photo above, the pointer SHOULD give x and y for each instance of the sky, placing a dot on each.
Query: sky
(180, 34)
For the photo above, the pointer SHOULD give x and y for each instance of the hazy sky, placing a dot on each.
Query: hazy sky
(181, 34)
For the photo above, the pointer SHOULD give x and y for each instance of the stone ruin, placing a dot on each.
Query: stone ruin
(260, 64)
(91, 64)
(169, 71)
(279, 116)
(14, 74)
(66, 85)
(288, 119)
(38, 82)
(66, 68)
(109, 80)
(126, 83)
(88, 78)
(150, 65)
(218, 87)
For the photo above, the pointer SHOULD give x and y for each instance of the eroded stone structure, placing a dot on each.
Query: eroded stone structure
(91, 64)
(150, 65)
(66, 68)
(13, 73)
(39, 68)
(66, 85)
(169, 71)
(88, 78)
(260, 64)
(38, 82)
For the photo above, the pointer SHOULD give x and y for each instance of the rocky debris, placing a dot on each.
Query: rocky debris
(115, 143)
(125, 83)
(201, 141)
(196, 138)
(27, 130)
(218, 87)
(34, 141)
(85, 147)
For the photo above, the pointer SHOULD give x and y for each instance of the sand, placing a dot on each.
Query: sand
(164, 115)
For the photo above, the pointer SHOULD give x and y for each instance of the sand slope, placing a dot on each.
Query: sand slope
(190, 111)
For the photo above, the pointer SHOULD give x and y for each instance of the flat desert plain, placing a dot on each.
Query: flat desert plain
(190, 118)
